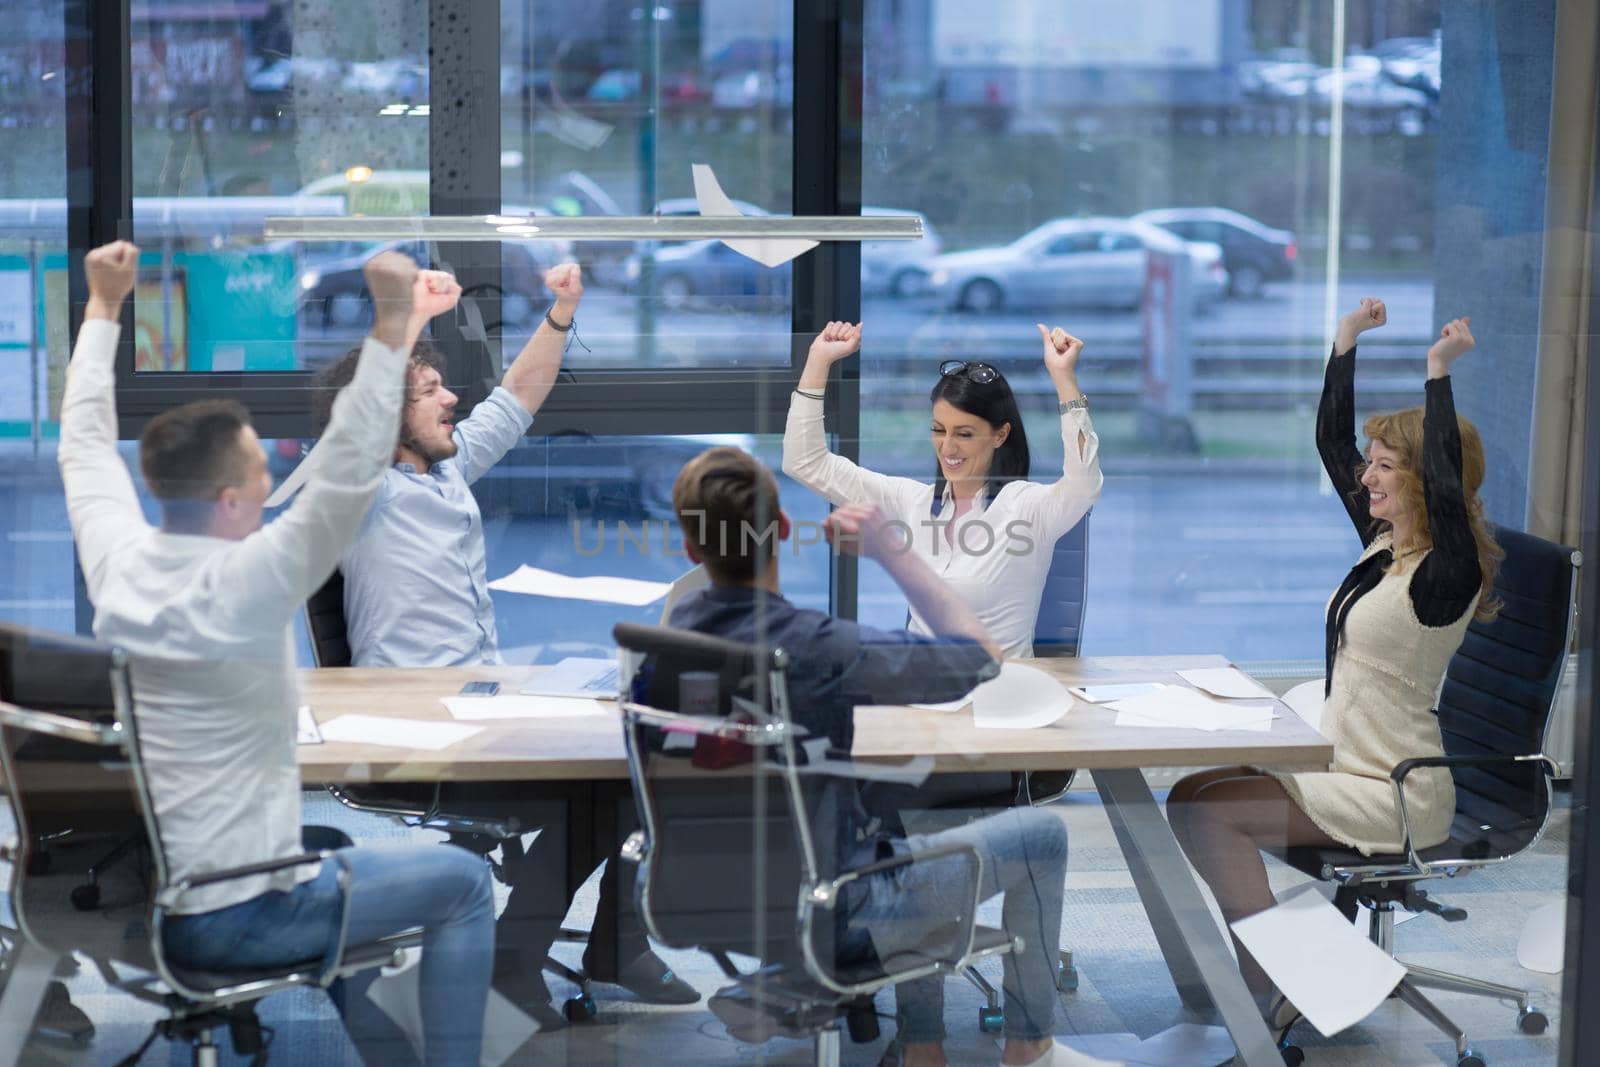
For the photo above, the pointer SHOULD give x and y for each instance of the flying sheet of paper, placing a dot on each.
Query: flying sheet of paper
(306, 732)
(579, 131)
(1176, 706)
(533, 581)
(769, 252)
(1020, 697)
(1228, 682)
(396, 733)
(516, 706)
(505, 1026)
(297, 477)
(1099, 694)
(1179, 1046)
(1319, 960)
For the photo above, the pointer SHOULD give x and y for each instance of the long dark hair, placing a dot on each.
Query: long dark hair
(994, 403)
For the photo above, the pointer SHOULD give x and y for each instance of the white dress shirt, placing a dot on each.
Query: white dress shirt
(206, 621)
(1001, 549)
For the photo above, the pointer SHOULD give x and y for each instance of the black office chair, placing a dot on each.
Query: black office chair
(730, 860)
(69, 743)
(424, 804)
(1494, 711)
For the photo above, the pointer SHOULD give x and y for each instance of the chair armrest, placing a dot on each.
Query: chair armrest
(1405, 767)
(48, 722)
(755, 734)
(264, 867)
(825, 895)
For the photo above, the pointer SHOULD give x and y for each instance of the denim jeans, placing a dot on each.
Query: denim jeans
(445, 890)
(1024, 856)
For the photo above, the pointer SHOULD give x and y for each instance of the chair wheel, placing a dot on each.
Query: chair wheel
(1531, 1020)
(1293, 1055)
(1469, 1058)
(578, 1009)
(86, 897)
(991, 1020)
(1066, 978)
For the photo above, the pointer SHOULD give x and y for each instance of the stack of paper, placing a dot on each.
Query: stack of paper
(522, 707)
(1176, 706)
(396, 733)
(1227, 682)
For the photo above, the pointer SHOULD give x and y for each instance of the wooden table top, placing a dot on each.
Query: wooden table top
(591, 748)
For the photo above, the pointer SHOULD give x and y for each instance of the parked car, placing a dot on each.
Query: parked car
(695, 271)
(1252, 252)
(334, 291)
(1088, 261)
(898, 268)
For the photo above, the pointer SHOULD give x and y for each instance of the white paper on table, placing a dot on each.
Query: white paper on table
(1229, 682)
(1176, 706)
(305, 730)
(398, 994)
(397, 733)
(713, 202)
(1020, 697)
(517, 706)
(1320, 960)
(1100, 694)
(534, 581)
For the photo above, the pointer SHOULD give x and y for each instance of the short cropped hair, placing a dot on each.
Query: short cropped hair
(191, 453)
(727, 506)
(342, 371)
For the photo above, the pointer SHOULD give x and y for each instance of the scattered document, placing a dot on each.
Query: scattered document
(474, 709)
(398, 994)
(1543, 942)
(534, 581)
(1179, 707)
(577, 130)
(949, 705)
(306, 732)
(1100, 694)
(397, 733)
(1020, 697)
(297, 477)
(1183, 1045)
(1228, 682)
(576, 676)
(769, 252)
(1319, 960)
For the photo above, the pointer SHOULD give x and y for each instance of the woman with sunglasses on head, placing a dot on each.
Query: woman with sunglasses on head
(1426, 568)
(981, 525)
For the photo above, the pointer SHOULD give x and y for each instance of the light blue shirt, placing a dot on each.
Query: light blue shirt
(416, 592)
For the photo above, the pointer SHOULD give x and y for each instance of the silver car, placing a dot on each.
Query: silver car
(1101, 262)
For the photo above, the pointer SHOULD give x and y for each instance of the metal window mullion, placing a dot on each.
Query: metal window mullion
(827, 181)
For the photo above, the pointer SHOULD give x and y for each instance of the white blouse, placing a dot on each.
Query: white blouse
(1000, 551)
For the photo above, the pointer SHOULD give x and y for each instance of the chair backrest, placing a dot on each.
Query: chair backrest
(68, 746)
(728, 839)
(1500, 689)
(325, 624)
(1059, 629)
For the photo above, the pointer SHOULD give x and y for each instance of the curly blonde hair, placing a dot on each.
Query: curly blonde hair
(1402, 432)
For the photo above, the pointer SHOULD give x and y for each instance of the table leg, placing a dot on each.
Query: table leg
(28, 968)
(1195, 950)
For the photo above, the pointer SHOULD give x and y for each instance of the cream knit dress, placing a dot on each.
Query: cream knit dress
(1379, 711)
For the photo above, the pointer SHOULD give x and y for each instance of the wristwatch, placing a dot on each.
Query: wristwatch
(1065, 406)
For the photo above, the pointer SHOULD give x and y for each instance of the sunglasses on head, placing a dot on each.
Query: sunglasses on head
(980, 373)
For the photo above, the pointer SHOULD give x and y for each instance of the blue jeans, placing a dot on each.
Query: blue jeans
(1024, 855)
(445, 890)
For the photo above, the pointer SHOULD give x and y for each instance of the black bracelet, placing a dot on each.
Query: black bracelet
(554, 325)
(810, 396)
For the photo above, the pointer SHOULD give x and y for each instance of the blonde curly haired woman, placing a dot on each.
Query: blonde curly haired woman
(1427, 567)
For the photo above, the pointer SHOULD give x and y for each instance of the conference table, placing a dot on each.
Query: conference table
(583, 760)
